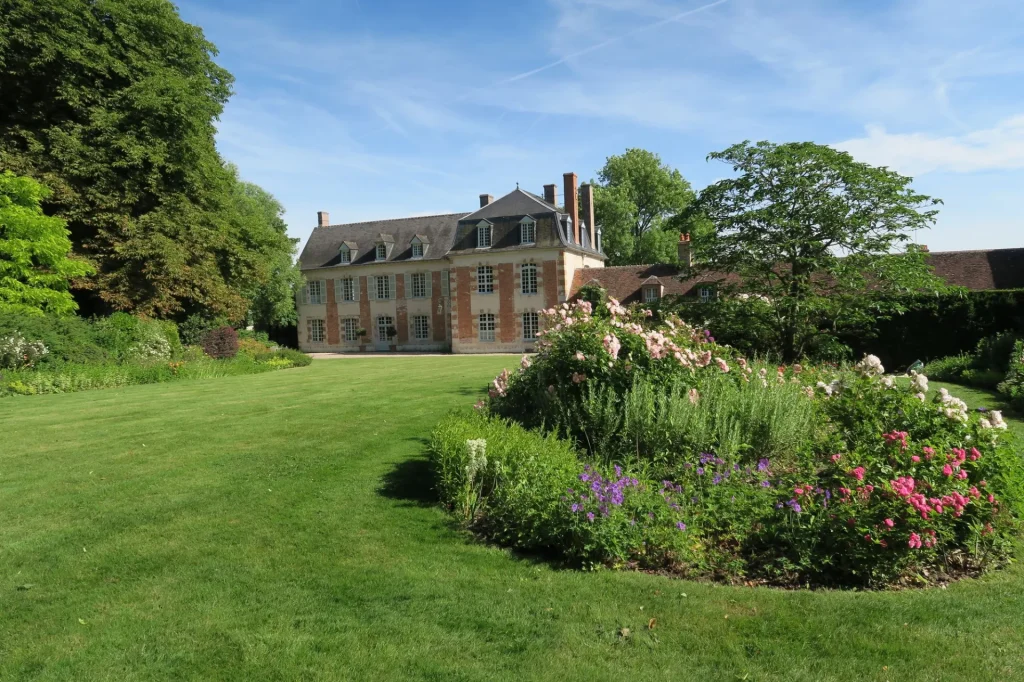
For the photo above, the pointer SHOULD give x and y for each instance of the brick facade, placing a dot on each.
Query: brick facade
(332, 323)
(401, 311)
(506, 290)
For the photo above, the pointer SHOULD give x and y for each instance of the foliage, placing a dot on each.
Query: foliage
(1012, 385)
(68, 339)
(812, 232)
(34, 264)
(113, 105)
(272, 300)
(221, 342)
(69, 378)
(787, 475)
(134, 339)
(195, 327)
(635, 203)
(16, 352)
(986, 367)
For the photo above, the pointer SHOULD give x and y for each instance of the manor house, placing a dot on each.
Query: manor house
(464, 282)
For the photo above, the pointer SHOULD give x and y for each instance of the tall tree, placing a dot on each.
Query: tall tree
(113, 104)
(34, 263)
(272, 296)
(812, 233)
(635, 203)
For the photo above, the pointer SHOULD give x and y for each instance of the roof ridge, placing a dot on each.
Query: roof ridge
(1006, 248)
(392, 220)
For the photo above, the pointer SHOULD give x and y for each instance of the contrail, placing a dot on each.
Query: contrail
(606, 43)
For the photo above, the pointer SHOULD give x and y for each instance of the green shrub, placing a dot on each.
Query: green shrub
(950, 368)
(519, 488)
(221, 342)
(296, 357)
(1013, 384)
(194, 328)
(67, 339)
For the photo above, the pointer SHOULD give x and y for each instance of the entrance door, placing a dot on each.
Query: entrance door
(384, 325)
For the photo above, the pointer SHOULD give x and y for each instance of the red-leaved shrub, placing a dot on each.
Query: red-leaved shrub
(221, 342)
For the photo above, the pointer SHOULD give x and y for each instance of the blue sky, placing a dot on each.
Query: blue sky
(391, 108)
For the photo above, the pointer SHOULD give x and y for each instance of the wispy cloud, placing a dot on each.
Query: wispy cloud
(611, 41)
(998, 148)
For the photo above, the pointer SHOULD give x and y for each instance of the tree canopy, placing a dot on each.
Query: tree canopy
(639, 204)
(34, 263)
(113, 104)
(810, 235)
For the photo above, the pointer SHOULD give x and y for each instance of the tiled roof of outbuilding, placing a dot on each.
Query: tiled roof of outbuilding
(975, 270)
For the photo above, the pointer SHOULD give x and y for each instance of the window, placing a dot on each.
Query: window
(421, 327)
(315, 292)
(483, 235)
(706, 294)
(417, 250)
(487, 326)
(351, 328)
(485, 279)
(528, 278)
(569, 234)
(385, 326)
(651, 294)
(531, 324)
(419, 285)
(315, 330)
(384, 287)
(345, 254)
(382, 251)
(527, 231)
(348, 289)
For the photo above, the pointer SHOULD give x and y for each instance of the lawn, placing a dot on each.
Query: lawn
(279, 527)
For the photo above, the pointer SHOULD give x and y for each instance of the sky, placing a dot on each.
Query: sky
(393, 108)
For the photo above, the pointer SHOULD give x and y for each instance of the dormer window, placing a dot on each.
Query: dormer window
(417, 248)
(568, 229)
(652, 294)
(527, 230)
(706, 294)
(345, 254)
(483, 235)
(382, 251)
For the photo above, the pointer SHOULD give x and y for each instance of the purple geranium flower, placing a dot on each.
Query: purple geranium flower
(590, 516)
(681, 526)
(763, 464)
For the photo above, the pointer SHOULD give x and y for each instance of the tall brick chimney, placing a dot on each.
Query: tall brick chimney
(572, 206)
(587, 212)
(685, 252)
(551, 194)
(485, 199)
(323, 218)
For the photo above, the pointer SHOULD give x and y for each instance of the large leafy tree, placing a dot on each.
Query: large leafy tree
(639, 203)
(810, 236)
(272, 296)
(34, 263)
(113, 104)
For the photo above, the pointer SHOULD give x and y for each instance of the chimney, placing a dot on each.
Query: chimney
(923, 248)
(685, 253)
(587, 212)
(485, 199)
(551, 194)
(572, 206)
(323, 218)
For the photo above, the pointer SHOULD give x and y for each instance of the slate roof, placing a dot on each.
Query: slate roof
(321, 250)
(518, 202)
(441, 234)
(975, 270)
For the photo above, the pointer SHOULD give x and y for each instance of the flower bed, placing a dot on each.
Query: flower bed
(691, 459)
